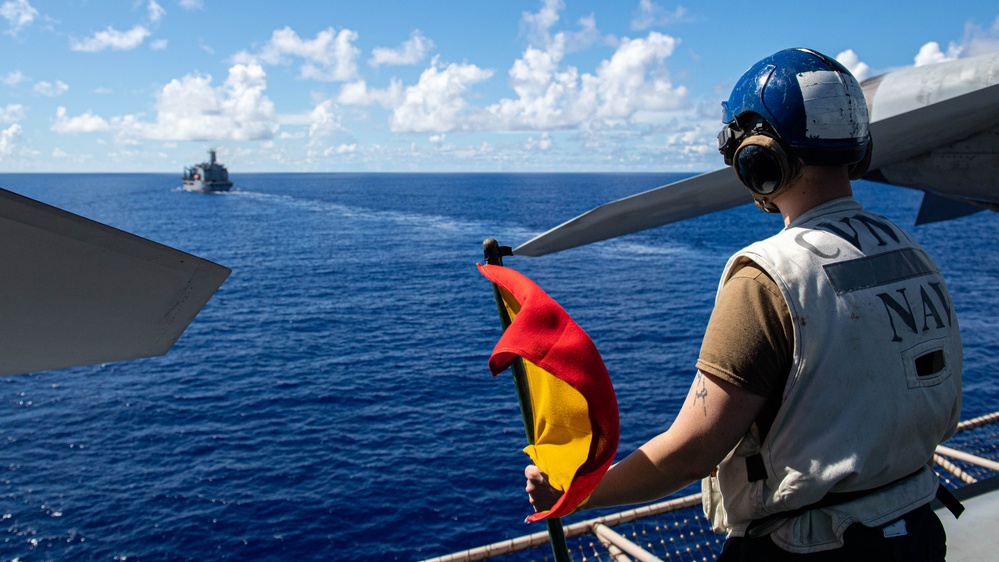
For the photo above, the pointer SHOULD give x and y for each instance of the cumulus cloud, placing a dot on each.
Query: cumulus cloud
(976, 41)
(542, 143)
(539, 26)
(358, 93)
(633, 80)
(340, 149)
(410, 52)
(86, 123)
(18, 13)
(112, 39)
(930, 53)
(979, 41)
(191, 108)
(8, 140)
(156, 12)
(49, 89)
(14, 78)
(650, 14)
(436, 104)
(327, 134)
(330, 57)
(324, 120)
(860, 70)
(632, 84)
(13, 112)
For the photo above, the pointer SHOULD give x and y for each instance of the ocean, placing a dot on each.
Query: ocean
(332, 401)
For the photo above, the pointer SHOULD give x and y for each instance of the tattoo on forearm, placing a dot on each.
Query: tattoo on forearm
(701, 392)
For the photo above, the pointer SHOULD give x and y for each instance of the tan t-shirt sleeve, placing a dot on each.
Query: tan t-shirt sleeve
(748, 338)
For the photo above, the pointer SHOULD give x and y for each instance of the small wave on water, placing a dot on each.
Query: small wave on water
(438, 224)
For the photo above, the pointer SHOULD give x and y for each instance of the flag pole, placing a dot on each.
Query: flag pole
(493, 254)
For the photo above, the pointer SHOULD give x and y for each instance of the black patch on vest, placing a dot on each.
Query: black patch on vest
(930, 364)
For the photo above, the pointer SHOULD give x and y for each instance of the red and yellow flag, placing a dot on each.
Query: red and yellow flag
(576, 426)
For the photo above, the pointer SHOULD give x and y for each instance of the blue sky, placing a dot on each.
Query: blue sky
(539, 85)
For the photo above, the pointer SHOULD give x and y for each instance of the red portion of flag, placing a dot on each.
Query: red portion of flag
(544, 334)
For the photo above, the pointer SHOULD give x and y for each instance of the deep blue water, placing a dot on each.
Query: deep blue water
(332, 401)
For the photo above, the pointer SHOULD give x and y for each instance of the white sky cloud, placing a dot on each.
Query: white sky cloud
(156, 12)
(650, 14)
(538, 29)
(327, 132)
(331, 56)
(191, 4)
(860, 70)
(542, 143)
(14, 78)
(981, 41)
(976, 41)
(633, 80)
(548, 95)
(436, 104)
(12, 112)
(410, 52)
(49, 89)
(538, 24)
(18, 13)
(190, 108)
(340, 149)
(112, 39)
(86, 123)
(324, 120)
(930, 53)
(8, 140)
(358, 93)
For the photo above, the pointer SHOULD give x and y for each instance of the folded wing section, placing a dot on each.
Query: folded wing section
(77, 292)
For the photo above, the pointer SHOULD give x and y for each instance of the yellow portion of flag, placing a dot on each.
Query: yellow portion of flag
(562, 431)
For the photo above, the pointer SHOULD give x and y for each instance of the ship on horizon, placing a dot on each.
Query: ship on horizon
(207, 177)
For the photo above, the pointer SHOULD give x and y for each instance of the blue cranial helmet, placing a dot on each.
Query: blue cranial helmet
(810, 102)
(794, 108)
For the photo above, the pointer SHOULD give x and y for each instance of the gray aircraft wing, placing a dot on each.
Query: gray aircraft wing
(706, 193)
(77, 292)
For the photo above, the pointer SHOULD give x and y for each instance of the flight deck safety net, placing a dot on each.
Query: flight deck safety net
(676, 529)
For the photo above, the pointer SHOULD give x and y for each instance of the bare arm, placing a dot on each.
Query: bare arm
(714, 417)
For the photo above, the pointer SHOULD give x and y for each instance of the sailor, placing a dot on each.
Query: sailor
(831, 365)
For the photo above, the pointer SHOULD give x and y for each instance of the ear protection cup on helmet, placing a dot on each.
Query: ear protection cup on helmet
(764, 166)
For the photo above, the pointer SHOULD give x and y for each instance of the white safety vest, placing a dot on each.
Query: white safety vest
(874, 384)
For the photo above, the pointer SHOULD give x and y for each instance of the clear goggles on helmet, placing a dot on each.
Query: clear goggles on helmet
(733, 132)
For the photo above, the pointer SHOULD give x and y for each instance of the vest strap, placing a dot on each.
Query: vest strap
(950, 501)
